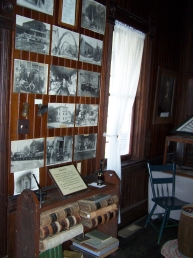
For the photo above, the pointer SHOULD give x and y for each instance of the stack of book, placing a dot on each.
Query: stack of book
(59, 225)
(95, 244)
(98, 209)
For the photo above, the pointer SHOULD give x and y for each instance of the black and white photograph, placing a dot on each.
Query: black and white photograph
(27, 154)
(44, 6)
(32, 35)
(90, 50)
(58, 150)
(93, 16)
(60, 115)
(62, 81)
(68, 13)
(88, 84)
(30, 77)
(85, 146)
(86, 115)
(25, 180)
(65, 43)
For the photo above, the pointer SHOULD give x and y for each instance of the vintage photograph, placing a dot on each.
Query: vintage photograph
(60, 115)
(90, 50)
(88, 84)
(62, 81)
(165, 89)
(27, 154)
(85, 146)
(86, 115)
(93, 16)
(58, 150)
(44, 6)
(65, 43)
(32, 35)
(30, 77)
(25, 180)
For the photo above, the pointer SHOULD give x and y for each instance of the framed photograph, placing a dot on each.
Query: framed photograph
(164, 99)
(88, 84)
(68, 13)
(25, 180)
(85, 146)
(58, 150)
(30, 77)
(65, 43)
(60, 115)
(62, 81)
(90, 50)
(27, 154)
(32, 35)
(44, 6)
(93, 16)
(86, 115)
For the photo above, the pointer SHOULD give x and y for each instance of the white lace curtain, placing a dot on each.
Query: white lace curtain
(127, 52)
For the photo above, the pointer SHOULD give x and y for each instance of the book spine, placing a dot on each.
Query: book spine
(96, 213)
(57, 227)
(57, 214)
(101, 219)
(53, 241)
(88, 207)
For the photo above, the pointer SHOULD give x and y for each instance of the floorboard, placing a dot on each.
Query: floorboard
(143, 242)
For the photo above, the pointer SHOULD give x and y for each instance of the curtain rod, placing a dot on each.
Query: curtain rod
(133, 16)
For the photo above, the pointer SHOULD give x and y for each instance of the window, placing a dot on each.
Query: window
(125, 69)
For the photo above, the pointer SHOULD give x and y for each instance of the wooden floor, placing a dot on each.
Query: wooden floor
(143, 243)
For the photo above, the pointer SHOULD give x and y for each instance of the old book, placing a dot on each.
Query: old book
(94, 222)
(95, 198)
(59, 226)
(72, 254)
(89, 255)
(96, 213)
(59, 213)
(96, 234)
(98, 248)
(55, 252)
(90, 207)
(59, 238)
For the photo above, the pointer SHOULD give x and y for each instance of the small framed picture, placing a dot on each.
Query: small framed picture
(30, 77)
(164, 99)
(90, 50)
(62, 81)
(93, 16)
(88, 84)
(65, 43)
(60, 115)
(32, 35)
(68, 13)
(44, 6)
(86, 115)
(85, 146)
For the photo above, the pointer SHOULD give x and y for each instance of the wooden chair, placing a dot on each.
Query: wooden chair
(163, 191)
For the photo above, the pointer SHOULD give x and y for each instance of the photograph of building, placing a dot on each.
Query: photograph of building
(32, 35)
(90, 50)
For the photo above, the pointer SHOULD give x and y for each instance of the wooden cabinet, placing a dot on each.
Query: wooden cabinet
(29, 209)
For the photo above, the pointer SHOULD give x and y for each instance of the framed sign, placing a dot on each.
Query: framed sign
(68, 13)
(164, 98)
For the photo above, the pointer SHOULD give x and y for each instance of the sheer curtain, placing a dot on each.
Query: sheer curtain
(125, 69)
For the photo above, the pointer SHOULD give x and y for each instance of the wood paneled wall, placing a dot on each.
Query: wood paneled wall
(170, 49)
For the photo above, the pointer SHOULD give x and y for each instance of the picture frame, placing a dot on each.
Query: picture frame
(46, 7)
(68, 13)
(164, 97)
(93, 16)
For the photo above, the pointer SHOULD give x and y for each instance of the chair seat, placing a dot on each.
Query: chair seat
(169, 203)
